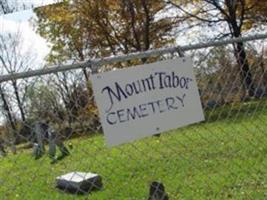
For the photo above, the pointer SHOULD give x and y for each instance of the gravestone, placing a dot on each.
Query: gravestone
(259, 92)
(36, 151)
(43, 132)
(2, 148)
(157, 191)
(79, 182)
(212, 104)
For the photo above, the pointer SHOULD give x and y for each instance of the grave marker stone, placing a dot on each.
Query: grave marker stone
(79, 182)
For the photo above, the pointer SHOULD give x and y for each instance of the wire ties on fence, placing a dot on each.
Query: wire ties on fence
(180, 52)
(89, 64)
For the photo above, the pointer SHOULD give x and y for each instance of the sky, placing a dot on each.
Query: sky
(18, 5)
(11, 23)
(20, 21)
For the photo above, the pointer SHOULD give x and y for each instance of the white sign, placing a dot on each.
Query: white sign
(148, 99)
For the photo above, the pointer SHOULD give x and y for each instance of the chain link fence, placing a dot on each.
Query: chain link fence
(50, 127)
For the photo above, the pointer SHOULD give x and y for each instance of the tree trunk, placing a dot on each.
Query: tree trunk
(7, 109)
(4, 7)
(241, 58)
(10, 120)
(245, 71)
(14, 83)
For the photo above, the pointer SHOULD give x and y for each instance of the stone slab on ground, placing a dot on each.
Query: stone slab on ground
(79, 182)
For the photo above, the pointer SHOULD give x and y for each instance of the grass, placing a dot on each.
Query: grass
(223, 158)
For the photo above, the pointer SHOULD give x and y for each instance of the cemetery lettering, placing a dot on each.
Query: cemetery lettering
(157, 80)
(146, 100)
(144, 110)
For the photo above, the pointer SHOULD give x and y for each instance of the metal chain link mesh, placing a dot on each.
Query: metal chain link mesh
(221, 158)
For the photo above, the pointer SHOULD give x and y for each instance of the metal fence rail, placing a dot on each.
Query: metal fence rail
(94, 63)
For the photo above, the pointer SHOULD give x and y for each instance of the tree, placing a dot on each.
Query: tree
(43, 103)
(66, 83)
(77, 98)
(11, 122)
(14, 58)
(7, 109)
(234, 14)
(5, 7)
(256, 14)
(10, 6)
(86, 29)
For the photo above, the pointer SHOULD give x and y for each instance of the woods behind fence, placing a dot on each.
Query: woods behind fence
(232, 83)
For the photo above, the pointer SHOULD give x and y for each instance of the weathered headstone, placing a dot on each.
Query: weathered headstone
(259, 92)
(42, 132)
(212, 104)
(36, 151)
(157, 191)
(79, 182)
(2, 148)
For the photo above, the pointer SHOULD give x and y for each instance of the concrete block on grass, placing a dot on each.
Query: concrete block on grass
(79, 182)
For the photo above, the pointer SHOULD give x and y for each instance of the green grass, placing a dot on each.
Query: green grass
(224, 158)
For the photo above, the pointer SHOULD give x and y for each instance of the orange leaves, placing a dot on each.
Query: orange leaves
(255, 13)
(248, 24)
(107, 27)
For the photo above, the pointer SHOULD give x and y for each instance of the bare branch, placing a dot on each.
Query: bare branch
(194, 15)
